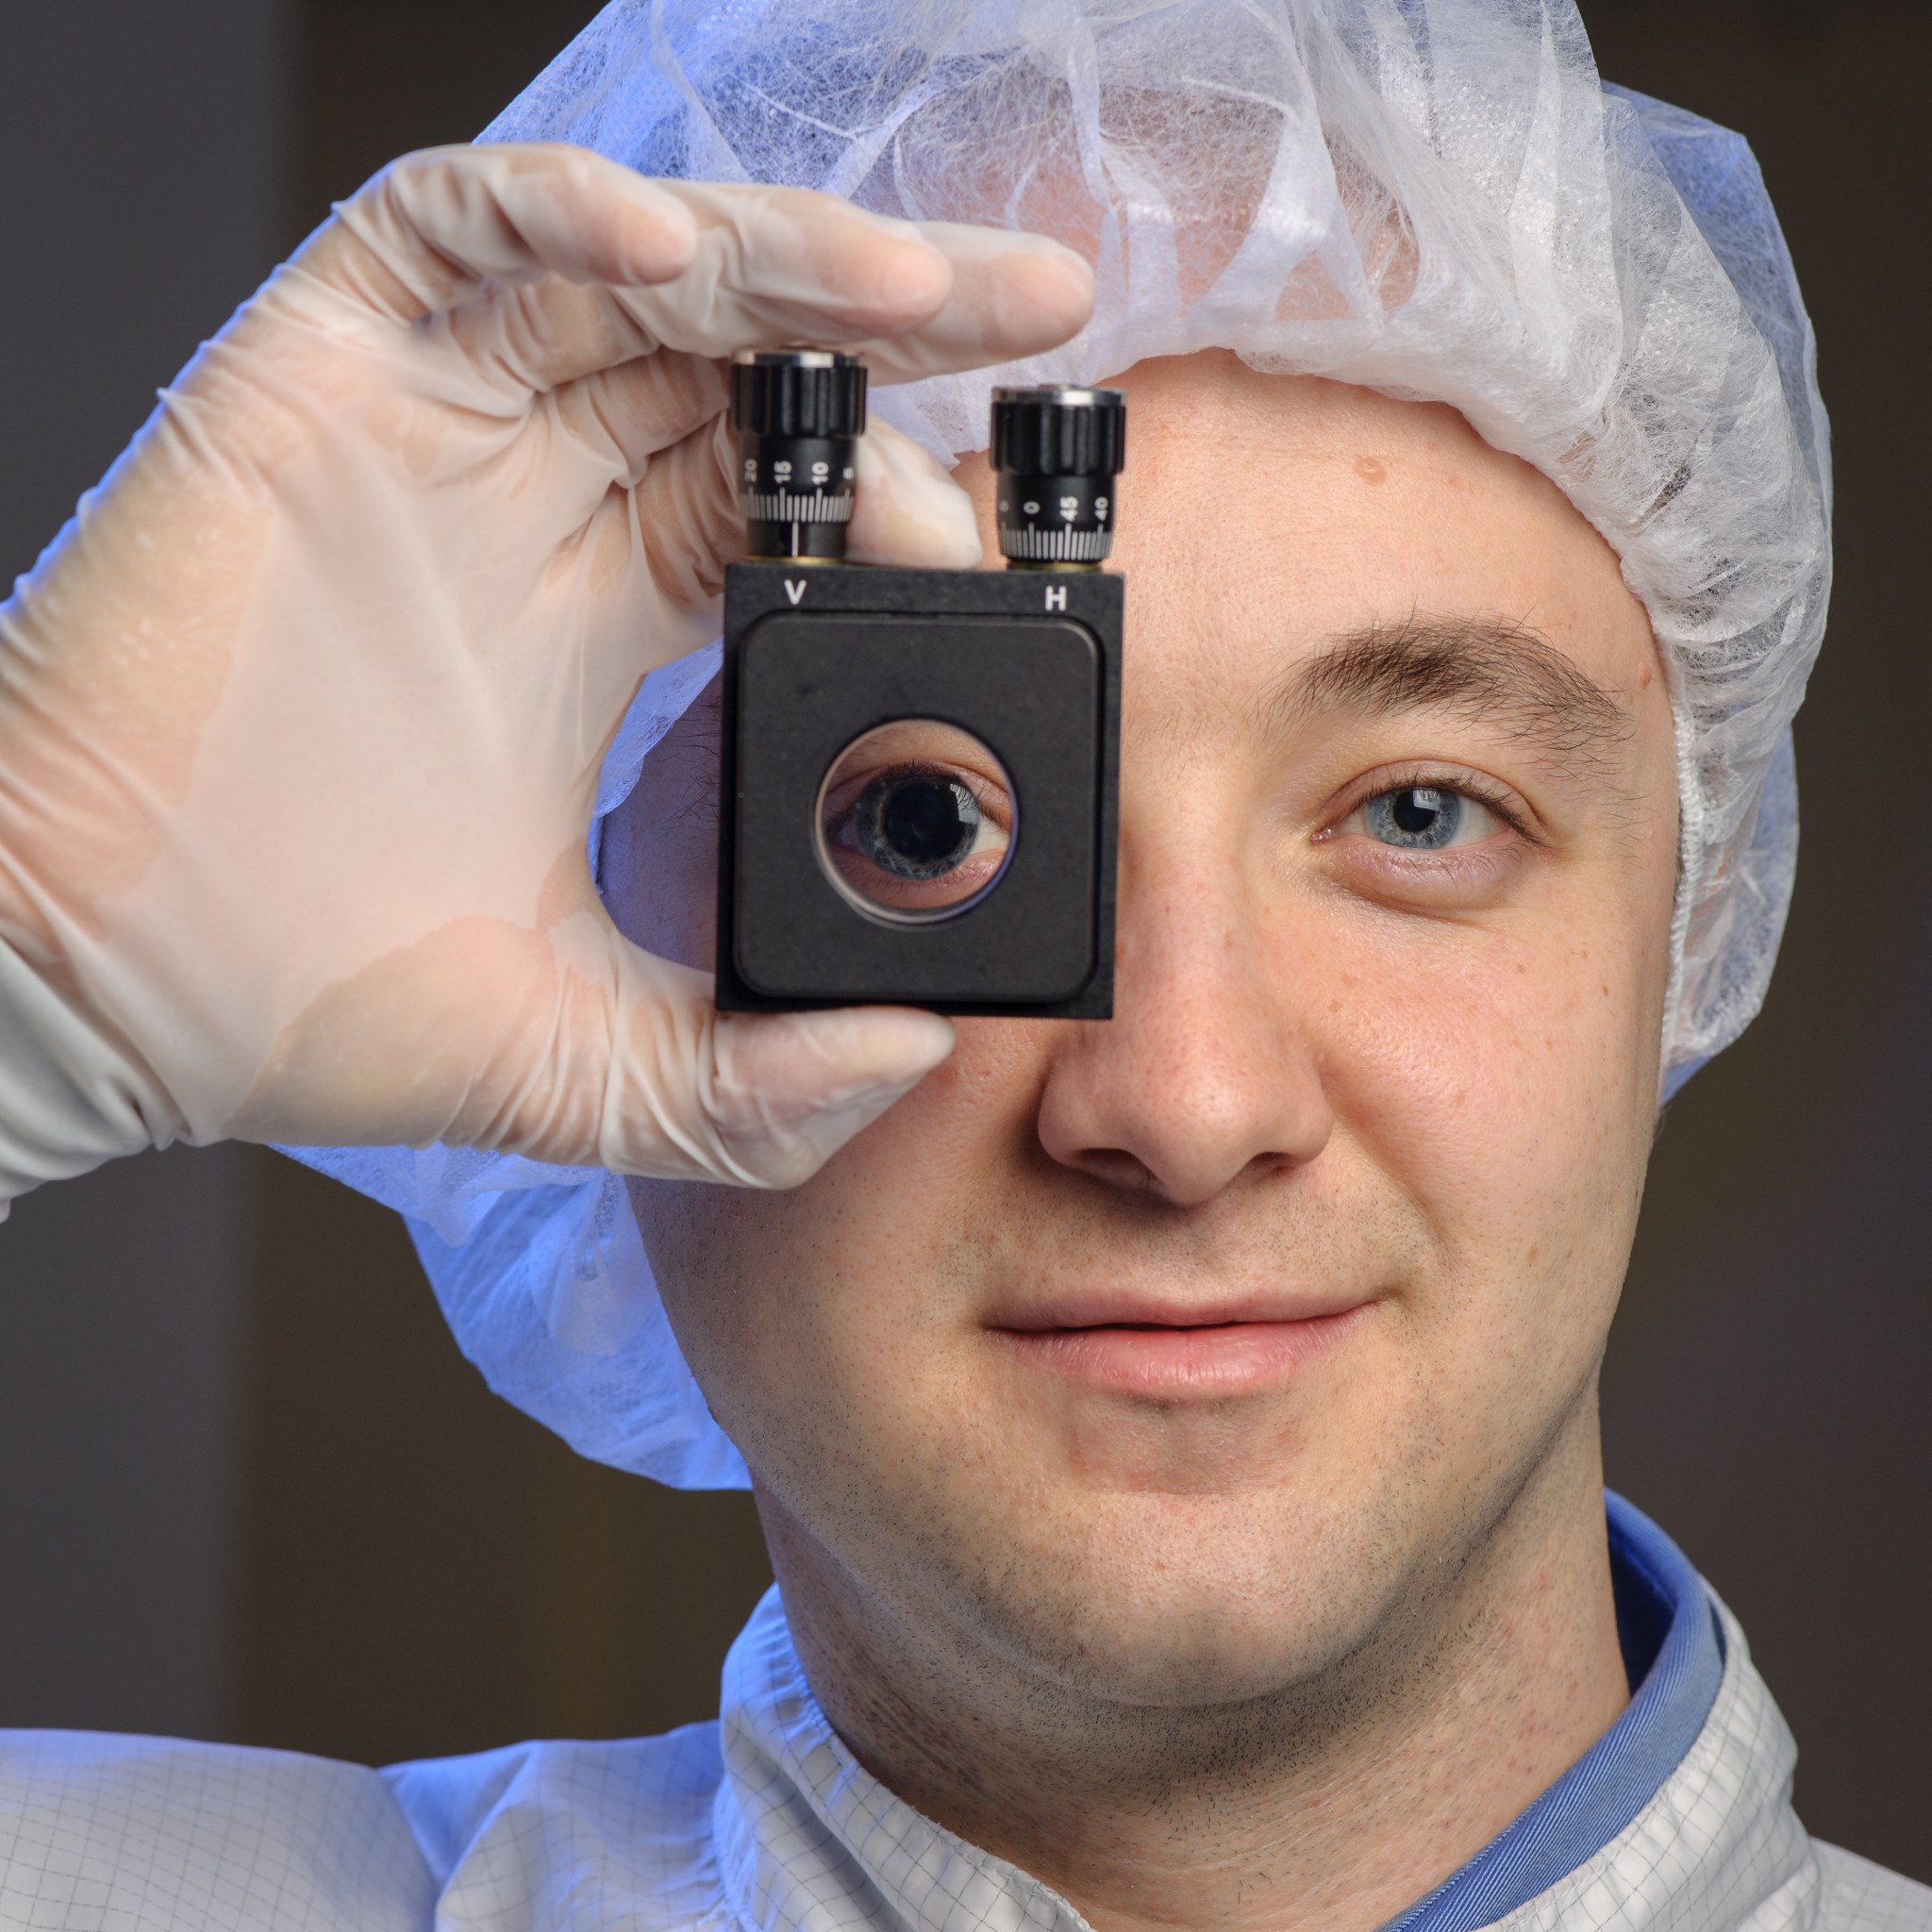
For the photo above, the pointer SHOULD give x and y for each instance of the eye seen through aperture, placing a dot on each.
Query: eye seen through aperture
(916, 821)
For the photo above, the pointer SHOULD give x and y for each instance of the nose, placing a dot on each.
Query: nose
(1207, 1075)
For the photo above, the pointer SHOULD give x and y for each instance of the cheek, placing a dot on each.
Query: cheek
(735, 1272)
(796, 1308)
(1504, 1080)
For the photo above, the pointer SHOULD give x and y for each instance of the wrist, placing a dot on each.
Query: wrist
(71, 1095)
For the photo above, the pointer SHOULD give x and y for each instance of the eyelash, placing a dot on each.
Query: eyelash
(1504, 803)
(990, 795)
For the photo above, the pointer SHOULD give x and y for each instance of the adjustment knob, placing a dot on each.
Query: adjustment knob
(1057, 454)
(798, 414)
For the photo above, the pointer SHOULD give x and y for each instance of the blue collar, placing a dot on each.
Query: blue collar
(1673, 1655)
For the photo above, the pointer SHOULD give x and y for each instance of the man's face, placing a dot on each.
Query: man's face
(1171, 1355)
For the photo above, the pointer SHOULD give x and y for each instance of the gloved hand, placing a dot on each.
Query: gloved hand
(301, 718)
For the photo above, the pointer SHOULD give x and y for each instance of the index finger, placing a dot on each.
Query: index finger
(606, 265)
(1014, 294)
(778, 265)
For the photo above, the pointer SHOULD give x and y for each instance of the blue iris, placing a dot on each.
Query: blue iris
(1418, 817)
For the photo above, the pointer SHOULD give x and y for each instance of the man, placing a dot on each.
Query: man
(1177, 1436)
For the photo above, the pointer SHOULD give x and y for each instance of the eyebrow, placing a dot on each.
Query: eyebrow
(1482, 671)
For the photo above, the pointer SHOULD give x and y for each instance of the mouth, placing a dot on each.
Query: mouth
(1172, 1355)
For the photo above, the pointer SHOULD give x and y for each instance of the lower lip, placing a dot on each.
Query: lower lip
(1171, 1364)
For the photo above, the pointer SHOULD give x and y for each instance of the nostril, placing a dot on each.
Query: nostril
(1180, 1182)
(1117, 1169)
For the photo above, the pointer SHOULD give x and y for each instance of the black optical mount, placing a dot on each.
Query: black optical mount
(920, 767)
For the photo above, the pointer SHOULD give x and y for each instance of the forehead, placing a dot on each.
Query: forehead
(1263, 516)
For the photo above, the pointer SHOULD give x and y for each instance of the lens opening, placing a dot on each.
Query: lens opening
(915, 822)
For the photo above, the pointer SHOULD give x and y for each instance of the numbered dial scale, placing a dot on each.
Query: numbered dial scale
(1056, 454)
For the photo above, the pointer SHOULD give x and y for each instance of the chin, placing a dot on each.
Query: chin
(1195, 1649)
(1198, 1601)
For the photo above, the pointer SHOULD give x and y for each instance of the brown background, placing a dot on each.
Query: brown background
(249, 1490)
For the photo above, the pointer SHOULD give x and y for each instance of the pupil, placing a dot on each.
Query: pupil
(1417, 809)
(919, 820)
(917, 827)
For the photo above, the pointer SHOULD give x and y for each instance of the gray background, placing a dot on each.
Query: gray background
(249, 1490)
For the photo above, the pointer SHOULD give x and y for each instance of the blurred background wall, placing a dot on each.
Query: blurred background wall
(145, 182)
(249, 1490)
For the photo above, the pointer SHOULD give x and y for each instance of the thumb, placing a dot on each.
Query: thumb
(790, 1089)
(908, 511)
(760, 1100)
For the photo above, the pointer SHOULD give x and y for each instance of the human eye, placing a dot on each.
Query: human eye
(1424, 817)
(916, 821)
(1430, 834)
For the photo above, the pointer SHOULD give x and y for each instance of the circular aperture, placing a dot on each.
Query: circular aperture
(915, 821)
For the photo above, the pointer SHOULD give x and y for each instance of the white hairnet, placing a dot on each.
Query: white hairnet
(1433, 199)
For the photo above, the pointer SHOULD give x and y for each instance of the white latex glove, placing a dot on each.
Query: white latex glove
(301, 718)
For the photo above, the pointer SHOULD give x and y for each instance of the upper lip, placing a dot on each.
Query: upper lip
(1114, 1307)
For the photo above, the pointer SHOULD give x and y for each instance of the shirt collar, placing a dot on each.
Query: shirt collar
(1674, 1657)
(808, 1840)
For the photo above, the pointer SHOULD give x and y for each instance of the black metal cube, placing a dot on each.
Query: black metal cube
(1029, 662)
